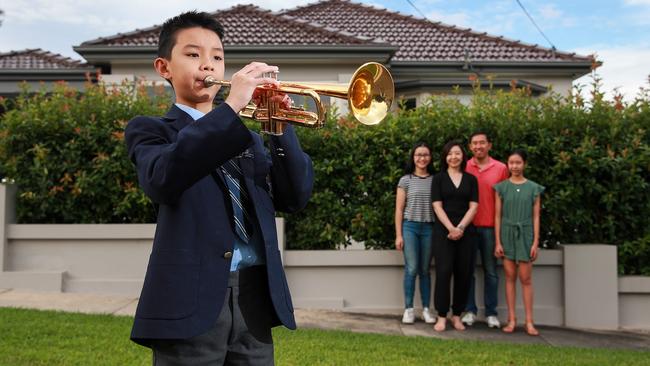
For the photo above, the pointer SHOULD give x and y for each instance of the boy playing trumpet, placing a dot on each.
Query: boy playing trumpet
(214, 285)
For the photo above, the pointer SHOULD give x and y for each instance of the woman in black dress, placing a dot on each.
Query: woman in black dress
(455, 199)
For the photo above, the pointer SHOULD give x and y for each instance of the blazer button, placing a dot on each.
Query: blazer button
(227, 255)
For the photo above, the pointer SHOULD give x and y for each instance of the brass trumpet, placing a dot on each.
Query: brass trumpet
(370, 94)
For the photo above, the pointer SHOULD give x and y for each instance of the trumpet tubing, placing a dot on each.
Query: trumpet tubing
(370, 94)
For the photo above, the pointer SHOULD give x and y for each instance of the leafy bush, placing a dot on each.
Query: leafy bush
(66, 153)
(634, 256)
(594, 161)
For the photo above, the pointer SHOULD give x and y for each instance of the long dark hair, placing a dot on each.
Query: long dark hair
(445, 152)
(409, 167)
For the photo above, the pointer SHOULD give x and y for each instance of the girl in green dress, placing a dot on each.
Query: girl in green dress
(517, 207)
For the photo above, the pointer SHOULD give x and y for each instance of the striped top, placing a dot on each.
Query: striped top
(418, 198)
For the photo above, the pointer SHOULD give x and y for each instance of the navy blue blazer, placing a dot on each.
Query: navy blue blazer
(176, 159)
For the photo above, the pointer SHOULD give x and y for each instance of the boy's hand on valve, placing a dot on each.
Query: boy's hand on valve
(283, 99)
(244, 82)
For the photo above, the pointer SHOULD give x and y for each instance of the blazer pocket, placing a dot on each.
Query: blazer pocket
(171, 286)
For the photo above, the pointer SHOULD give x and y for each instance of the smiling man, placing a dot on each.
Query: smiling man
(488, 172)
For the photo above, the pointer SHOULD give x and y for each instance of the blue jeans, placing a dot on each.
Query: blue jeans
(485, 246)
(417, 260)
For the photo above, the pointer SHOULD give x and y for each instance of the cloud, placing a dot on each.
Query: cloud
(624, 68)
(549, 11)
(58, 25)
(637, 2)
(552, 17)
(641, 12)
(105, 14)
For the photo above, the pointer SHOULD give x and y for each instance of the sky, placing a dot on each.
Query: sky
(617, 31)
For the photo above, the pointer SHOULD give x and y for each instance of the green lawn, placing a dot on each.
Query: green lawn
(31, 337)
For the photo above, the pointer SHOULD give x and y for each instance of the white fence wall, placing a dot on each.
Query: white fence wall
(575, 286)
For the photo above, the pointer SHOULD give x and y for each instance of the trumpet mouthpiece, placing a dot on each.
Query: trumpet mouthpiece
(209, 81)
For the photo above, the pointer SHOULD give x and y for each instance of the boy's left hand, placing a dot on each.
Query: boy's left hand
(246, 81)
(283, 99)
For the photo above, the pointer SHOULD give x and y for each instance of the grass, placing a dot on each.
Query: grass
(32, 337)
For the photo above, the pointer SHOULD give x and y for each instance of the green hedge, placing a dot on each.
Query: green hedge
(594, 160)
(65, 152)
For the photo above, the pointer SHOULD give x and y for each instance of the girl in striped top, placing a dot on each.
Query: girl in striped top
(413, 228)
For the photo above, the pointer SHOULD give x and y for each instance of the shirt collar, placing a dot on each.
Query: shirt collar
(487, 166)
(194, 113)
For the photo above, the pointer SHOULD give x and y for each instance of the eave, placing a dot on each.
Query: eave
(81, 74)
(423, 69)
(446, 84)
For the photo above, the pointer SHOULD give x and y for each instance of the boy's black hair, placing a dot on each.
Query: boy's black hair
(445, 151)
(190, 19)
(409, 168)
(521, 152)
(480, 132)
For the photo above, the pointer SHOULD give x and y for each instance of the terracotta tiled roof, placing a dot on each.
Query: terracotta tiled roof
(38, 59)
(420, 39)
(249, 25)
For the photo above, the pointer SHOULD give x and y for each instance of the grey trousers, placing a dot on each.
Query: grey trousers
(241, 335)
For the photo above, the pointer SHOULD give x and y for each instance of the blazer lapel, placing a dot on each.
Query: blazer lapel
(247, 166)
(217, 174)
(177, 118)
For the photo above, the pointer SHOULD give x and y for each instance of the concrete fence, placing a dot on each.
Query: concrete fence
(575, 286)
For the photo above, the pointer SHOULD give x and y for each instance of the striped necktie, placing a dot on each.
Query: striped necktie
(239, 198)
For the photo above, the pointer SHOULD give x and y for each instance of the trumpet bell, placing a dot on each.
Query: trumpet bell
(371, 93)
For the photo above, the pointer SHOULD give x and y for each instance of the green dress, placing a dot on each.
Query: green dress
(517, 202)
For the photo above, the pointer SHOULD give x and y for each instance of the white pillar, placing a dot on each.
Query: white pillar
(590, 286)
(7, 216)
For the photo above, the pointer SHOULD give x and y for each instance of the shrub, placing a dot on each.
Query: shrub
(594, 161)
(66, 153)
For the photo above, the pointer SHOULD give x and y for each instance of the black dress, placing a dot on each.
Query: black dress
(453, 257)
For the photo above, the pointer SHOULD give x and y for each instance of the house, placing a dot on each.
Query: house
(37, 68)
(326, 41)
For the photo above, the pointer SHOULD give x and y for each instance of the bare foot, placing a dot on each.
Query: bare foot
(455, 321)
(510, 327)
(441, 324)
(531, 330)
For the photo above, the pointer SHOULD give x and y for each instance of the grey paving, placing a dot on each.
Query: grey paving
(72, 302)
(552, 336)
(128, 309)
(355, 322)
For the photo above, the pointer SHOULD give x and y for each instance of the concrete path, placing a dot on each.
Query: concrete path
(355, 322)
